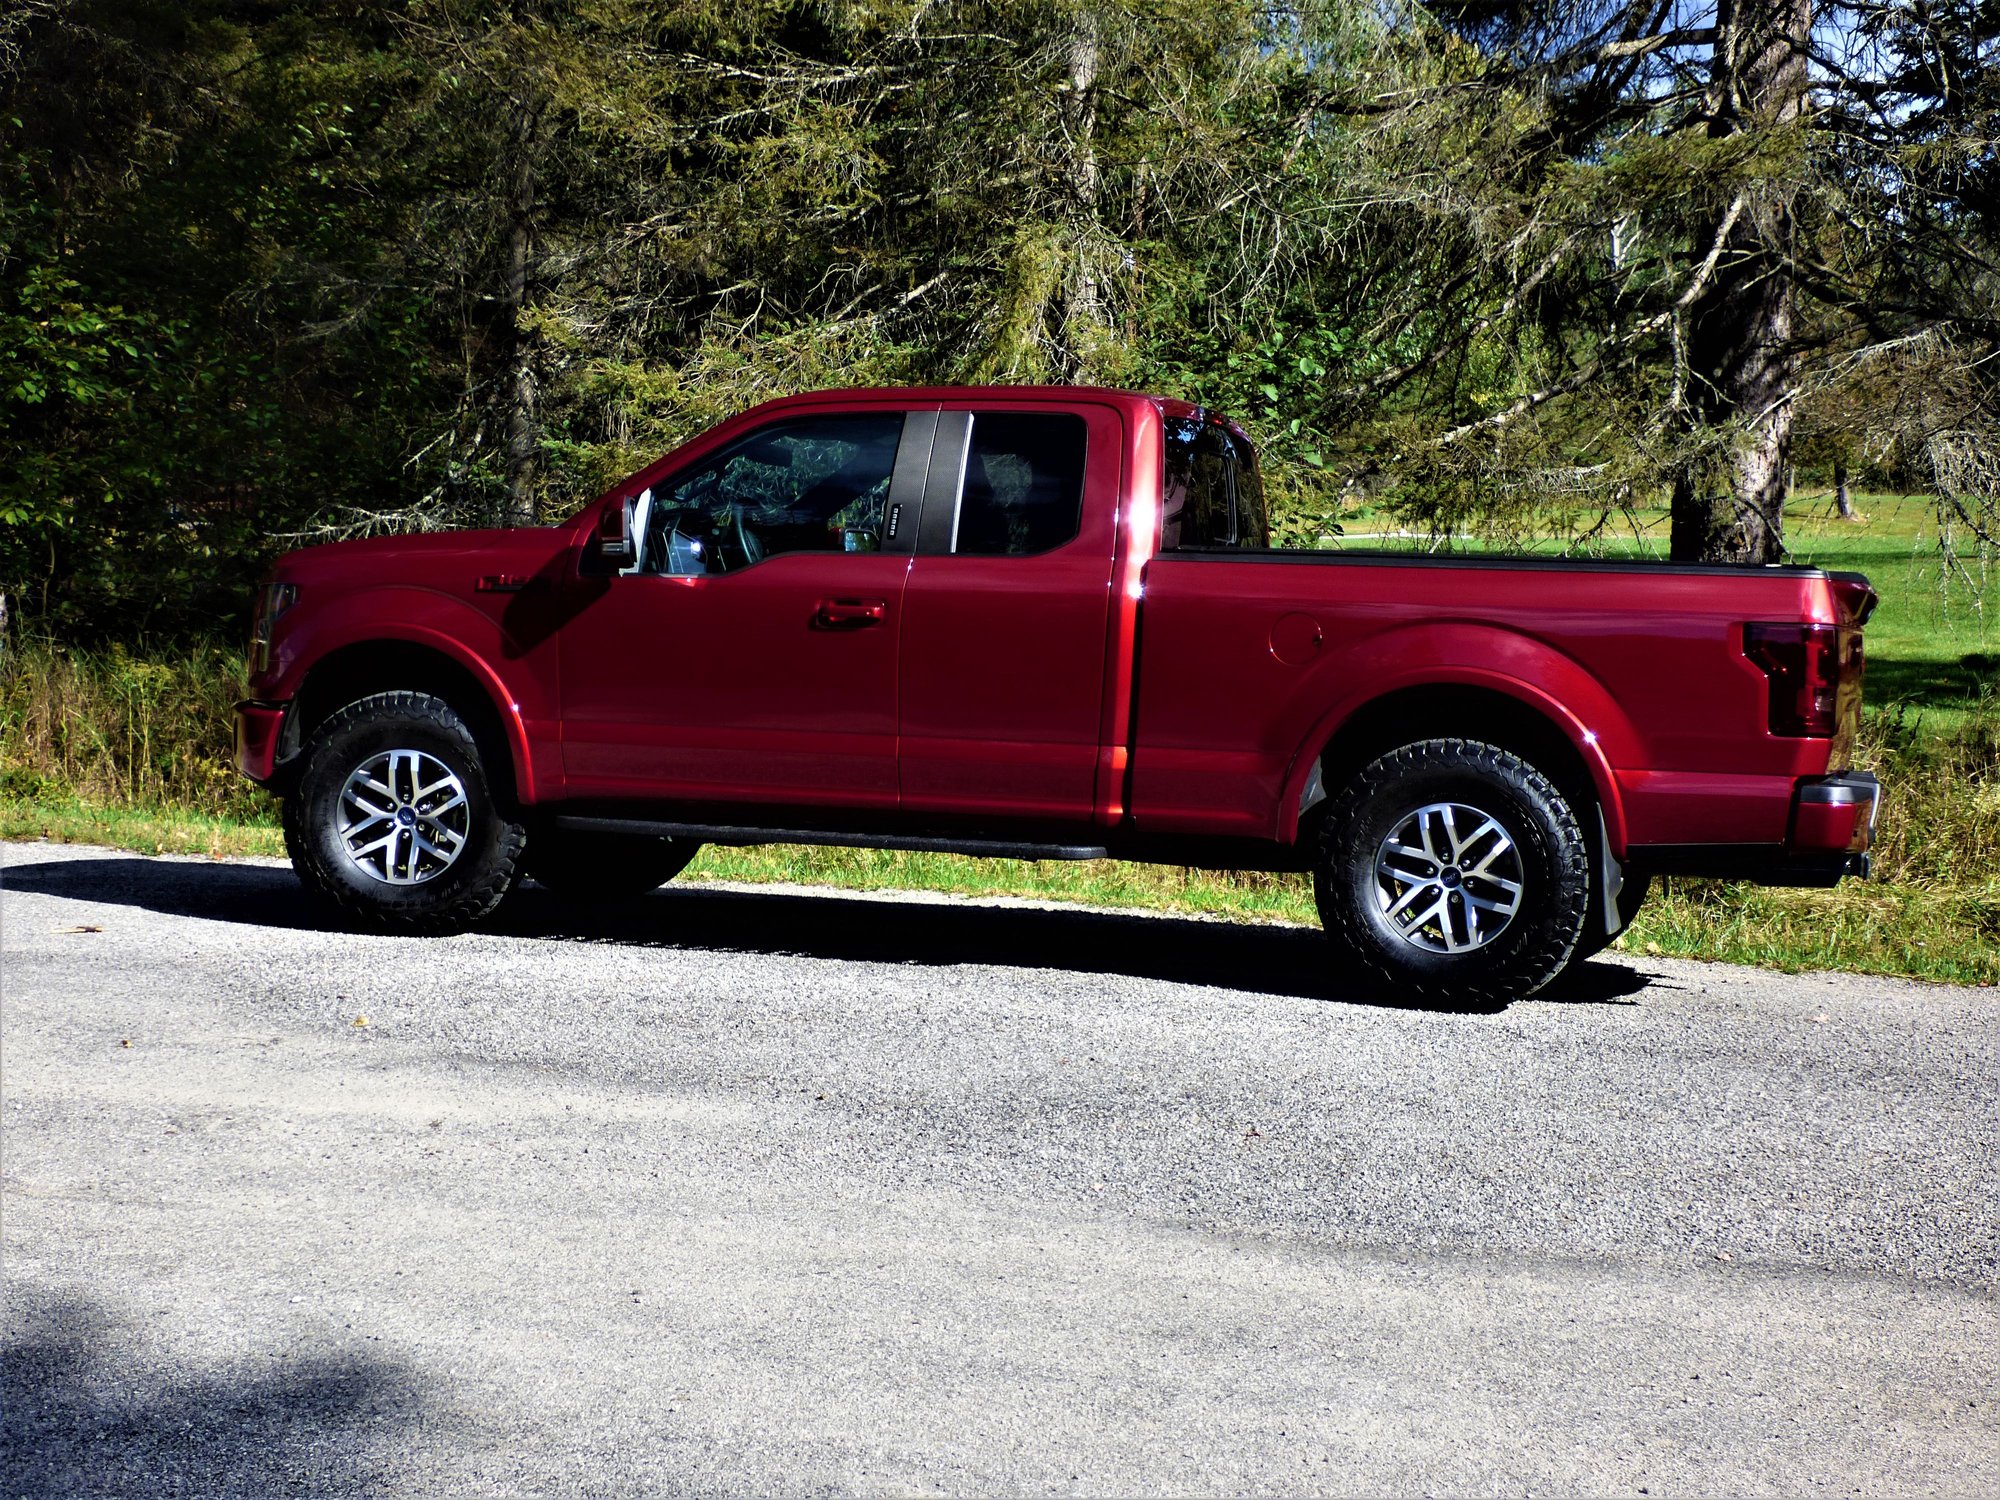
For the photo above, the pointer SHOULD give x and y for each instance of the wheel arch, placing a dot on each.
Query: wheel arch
(360, 669)
(1499, 712)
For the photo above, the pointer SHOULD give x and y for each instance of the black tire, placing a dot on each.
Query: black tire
(433, 897)
(609, 867)
(1512, 954)
(1595, 940)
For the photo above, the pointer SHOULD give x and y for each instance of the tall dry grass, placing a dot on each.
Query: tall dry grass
(1940, 821)
(148, 729)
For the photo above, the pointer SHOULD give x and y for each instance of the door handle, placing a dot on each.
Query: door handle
(850, 614)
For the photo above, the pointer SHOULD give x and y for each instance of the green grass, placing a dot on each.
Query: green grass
(1933, 643)
(145, 830)
(130, 749)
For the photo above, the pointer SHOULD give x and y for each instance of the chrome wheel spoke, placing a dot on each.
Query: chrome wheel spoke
(445, 852)
(387, 841)
(1449, 878)
(1419, 889)
(360, 825)
(403, 817)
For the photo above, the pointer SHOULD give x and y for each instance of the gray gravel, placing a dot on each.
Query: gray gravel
(766, 1190)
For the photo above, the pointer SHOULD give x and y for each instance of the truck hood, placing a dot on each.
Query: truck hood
(438, 559)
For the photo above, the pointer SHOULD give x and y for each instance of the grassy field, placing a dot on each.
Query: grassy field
(130, 749)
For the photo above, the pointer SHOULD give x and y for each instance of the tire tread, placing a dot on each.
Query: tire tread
(1527, 969)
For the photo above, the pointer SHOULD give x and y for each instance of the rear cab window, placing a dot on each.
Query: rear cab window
(1213, 495)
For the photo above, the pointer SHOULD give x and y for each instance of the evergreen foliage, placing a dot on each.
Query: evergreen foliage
(273, 270)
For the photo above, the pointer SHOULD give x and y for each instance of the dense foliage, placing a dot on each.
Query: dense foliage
(272, 269)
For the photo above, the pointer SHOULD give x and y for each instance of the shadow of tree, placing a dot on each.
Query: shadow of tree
(80, 1416)
(1928, 683)
(1238, 957)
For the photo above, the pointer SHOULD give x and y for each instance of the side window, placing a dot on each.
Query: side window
(816, 484)
(1023, 483)
(1213, 494)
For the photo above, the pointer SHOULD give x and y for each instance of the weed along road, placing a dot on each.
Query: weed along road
(771, 1191)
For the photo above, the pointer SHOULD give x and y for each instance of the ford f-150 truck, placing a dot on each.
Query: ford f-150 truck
(1046, 623)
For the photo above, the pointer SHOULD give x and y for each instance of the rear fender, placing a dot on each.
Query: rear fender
(1531, 672)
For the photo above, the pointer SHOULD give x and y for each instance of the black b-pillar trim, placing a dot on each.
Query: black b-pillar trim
(944, 482)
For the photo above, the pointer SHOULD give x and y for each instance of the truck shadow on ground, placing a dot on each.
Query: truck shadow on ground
(82, 1412)
(1241, 957)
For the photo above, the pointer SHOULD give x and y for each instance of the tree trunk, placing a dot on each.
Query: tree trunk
(518, 508)
(1730, 507)
(1841, 499)
(1083, 318)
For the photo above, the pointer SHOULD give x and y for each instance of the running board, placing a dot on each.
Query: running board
(715, 833)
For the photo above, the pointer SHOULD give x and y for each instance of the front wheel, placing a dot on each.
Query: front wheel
(1454, 870)
(394, 824)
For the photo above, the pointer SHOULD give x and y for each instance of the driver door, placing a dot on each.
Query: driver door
(750, 654)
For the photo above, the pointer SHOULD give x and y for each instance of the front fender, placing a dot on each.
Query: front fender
(415, 616)
(1449, 654)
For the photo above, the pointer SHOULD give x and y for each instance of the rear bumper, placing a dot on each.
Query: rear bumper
(259, 727)
(1831, 827)
(1836, 813)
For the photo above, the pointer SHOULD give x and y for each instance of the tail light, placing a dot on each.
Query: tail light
(1803, 663)
(273, 599)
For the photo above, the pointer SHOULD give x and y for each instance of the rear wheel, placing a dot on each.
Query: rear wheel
(581, 866)
(394, 824)
(1454, 870)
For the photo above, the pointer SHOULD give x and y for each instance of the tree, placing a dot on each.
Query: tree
(1673, 220)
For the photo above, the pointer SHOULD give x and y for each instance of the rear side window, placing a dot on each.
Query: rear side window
(1023, 483)
(1213, 495)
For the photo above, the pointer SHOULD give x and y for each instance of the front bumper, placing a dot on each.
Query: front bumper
(259, 728)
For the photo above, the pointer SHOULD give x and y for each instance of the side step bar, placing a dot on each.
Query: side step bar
(716, 833)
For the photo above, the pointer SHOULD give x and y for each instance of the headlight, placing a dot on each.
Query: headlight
(272, 601)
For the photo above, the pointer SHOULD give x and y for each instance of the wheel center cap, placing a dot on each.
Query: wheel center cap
(1451, 877)
(406, 816)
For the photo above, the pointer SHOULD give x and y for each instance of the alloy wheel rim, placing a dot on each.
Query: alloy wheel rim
(403, 817)
(1449, 878)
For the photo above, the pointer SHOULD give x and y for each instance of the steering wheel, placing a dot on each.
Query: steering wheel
(753, 550)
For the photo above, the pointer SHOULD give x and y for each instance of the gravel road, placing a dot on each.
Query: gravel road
(768, 1190)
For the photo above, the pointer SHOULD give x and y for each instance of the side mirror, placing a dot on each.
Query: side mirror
(614, 533)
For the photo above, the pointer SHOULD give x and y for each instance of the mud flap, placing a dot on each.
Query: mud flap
(1610, 882)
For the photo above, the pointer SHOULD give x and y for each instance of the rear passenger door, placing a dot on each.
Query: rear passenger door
(1006, 611)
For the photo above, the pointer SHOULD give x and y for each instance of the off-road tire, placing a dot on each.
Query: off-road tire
(485, 868)
(583, 867)
(1554, 860)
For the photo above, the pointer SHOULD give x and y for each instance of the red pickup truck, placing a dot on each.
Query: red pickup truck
(1046, 623)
